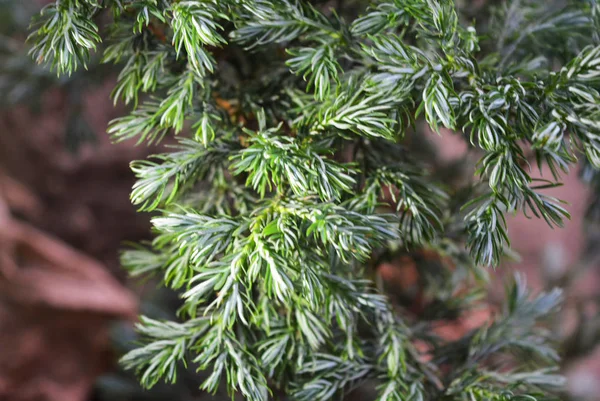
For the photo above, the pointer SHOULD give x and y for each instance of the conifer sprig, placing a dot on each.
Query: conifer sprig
(296, 176)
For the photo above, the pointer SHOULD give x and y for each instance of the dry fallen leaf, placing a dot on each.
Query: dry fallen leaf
(56, 306)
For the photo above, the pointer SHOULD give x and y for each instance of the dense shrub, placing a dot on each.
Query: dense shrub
(300, 168)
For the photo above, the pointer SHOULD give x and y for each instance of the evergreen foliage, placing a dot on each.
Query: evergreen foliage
(294, 177)
(23, 82)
